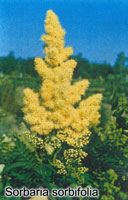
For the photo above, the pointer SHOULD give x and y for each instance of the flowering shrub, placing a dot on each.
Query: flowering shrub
(56, 114)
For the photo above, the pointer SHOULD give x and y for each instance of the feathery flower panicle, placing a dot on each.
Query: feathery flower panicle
(53, 108)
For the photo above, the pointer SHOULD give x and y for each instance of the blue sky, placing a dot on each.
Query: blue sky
(96, 28)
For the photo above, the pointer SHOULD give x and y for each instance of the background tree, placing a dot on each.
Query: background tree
(10, 64)
(120, 63)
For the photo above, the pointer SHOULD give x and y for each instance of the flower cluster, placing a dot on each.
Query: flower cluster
(35, 140)
(60, 166)
(72, 155)
(53, 108)
(82, 170)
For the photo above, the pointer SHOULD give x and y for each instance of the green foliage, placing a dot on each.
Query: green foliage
(107, 184)
(23, 167)
(7, 96)
(8, 122)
